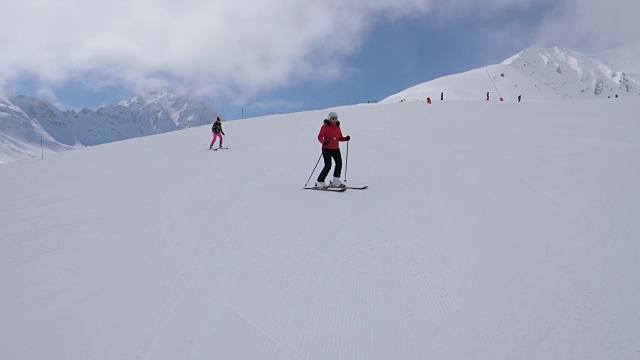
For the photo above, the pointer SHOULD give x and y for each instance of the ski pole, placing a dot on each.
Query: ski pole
(346, 163)
(314, 169)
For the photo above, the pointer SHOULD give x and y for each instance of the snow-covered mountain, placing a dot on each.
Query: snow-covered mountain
(24, 120)
(22, 136)
(538, 74)
(571, 74)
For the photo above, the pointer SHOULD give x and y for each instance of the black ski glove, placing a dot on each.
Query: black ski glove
(348, 138)
(326, 142)
(224, 134)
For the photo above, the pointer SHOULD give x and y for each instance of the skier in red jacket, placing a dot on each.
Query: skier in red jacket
(330, 136)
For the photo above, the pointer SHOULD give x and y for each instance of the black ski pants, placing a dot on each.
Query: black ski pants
(327, 154)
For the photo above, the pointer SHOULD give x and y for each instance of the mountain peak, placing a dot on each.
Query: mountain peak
(130, 102)
(536, 73)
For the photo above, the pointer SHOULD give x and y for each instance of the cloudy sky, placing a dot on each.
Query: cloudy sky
(256, 57)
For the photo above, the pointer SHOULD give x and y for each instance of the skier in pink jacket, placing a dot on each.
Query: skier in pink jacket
(330, 136)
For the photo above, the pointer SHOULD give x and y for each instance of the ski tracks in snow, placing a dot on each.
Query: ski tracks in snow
(380, 280)
(199, 321)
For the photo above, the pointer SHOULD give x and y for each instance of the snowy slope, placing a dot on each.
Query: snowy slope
(535, 74)
(489, 231)
(573, 75)
(20, 134)
(474, 84)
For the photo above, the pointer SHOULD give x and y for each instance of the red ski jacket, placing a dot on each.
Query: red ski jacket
(332, 134)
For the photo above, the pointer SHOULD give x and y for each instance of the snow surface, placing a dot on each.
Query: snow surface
(489, 231)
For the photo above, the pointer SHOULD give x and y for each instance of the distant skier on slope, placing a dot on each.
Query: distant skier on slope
(216, 129)
(330, 136)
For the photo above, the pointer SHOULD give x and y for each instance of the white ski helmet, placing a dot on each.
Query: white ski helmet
(332, 115)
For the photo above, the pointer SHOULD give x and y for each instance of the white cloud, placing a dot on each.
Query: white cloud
(235, 47)
(592, 25)
(240, 45)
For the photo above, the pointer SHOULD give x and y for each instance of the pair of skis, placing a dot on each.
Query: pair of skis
(337, 188)
(218, 148)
